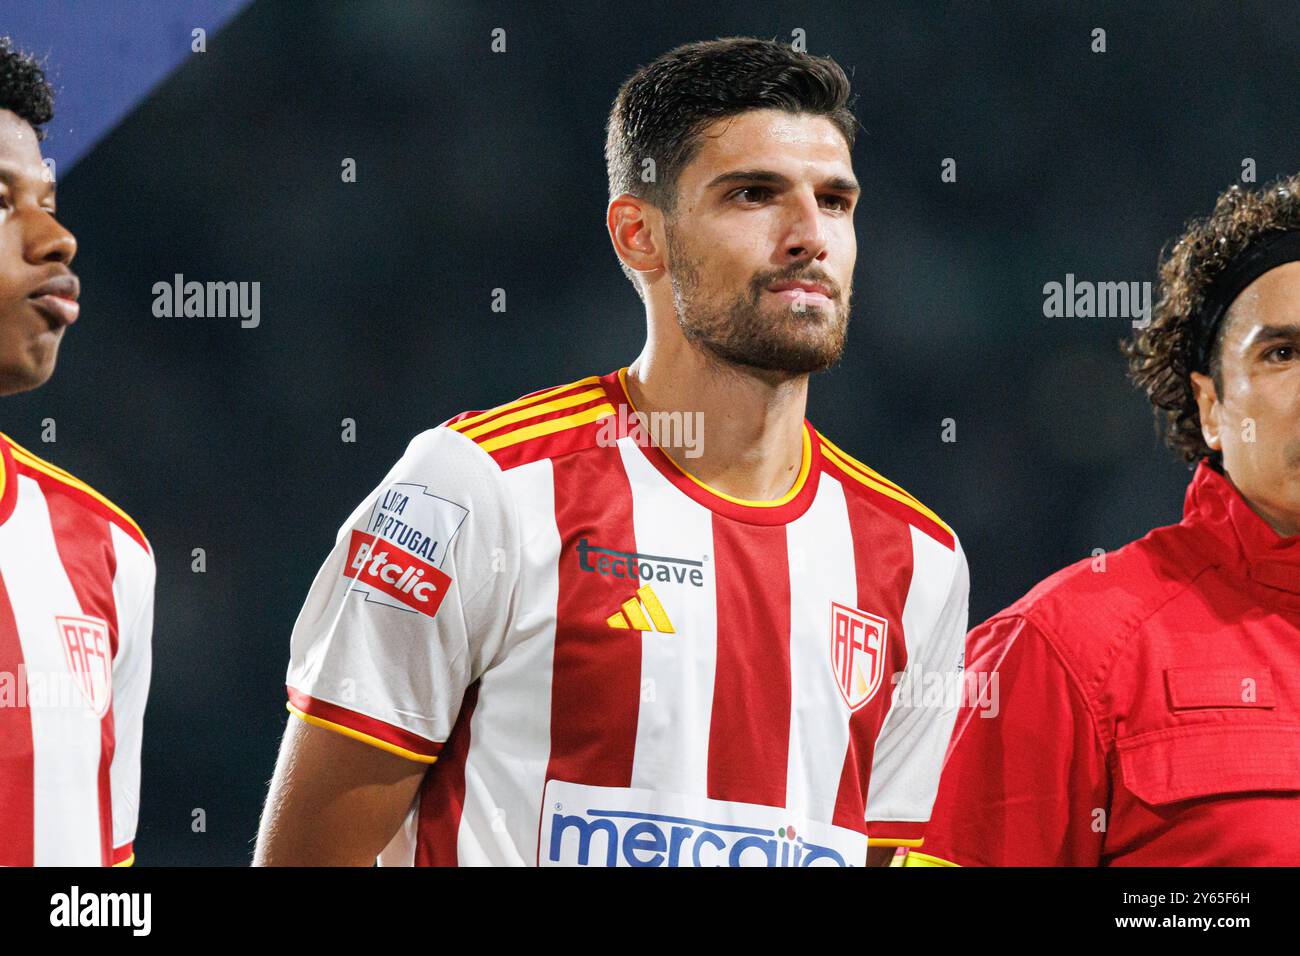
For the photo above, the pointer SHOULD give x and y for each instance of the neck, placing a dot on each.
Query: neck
(748, 423)
(1284, 523)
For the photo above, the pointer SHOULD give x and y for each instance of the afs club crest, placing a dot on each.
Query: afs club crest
(858, 643)
(86, 646)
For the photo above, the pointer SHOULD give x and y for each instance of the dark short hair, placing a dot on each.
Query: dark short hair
(23, 87)
(1163, 355)
(661, 109)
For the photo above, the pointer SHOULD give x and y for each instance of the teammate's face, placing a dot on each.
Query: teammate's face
(38, 291)
(1255, 422)
(767, 203)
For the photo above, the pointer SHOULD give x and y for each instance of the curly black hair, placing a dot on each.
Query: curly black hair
(1162, 356)
(661, 109)
(23, 87)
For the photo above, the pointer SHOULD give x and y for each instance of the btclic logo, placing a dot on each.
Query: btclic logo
(400, 575)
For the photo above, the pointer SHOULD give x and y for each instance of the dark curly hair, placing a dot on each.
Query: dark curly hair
(1162, 356)
(661, 109)
(23, 87)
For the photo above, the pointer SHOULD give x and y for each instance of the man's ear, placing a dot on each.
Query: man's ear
(631, 222)
(1211, 409)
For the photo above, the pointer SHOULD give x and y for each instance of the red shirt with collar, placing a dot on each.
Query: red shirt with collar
(1137, 709)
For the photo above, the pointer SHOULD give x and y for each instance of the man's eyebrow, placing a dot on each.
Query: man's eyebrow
(841, 184)
(1274, 333)
(11, 175)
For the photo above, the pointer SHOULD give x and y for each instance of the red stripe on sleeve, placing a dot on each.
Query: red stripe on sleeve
(362, 724)
(893, 830)
(749, 730)
(17, 807)
(596, 676)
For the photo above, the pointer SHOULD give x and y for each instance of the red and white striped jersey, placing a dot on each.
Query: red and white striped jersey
(76, 615)
(613, 664)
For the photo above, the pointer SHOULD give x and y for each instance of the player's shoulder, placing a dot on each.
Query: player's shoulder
(1090, 606)
(888, 501)
(542, 424)
(59, 483)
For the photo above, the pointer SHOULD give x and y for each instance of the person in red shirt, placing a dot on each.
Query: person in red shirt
(1142, 708)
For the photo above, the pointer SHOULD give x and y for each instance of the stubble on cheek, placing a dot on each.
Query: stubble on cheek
(750, 328)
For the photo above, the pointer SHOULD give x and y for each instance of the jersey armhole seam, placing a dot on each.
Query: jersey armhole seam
(514, 538)
(1075, 684)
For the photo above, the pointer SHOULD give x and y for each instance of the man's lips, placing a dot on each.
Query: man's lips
(809, 293)
(57, 299)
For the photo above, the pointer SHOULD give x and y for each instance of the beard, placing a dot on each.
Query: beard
(745, 331)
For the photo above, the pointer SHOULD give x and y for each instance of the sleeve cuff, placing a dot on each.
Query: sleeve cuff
(368, 730)
(123, 855)
(895, 833)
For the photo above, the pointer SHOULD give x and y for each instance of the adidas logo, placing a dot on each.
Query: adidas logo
(634, 611)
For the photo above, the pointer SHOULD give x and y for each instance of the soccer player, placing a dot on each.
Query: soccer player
(76, 574)
(1149, 702)
(652, 617)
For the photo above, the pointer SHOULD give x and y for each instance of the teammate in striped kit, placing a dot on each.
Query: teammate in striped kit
(567, 632)
(76, 574)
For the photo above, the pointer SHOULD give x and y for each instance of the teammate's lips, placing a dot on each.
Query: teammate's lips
(814, 293)
(56, 299)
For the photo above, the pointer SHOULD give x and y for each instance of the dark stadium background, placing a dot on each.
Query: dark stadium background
(479, 171)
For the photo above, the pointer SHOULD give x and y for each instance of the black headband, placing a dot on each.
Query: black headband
(1259, 257)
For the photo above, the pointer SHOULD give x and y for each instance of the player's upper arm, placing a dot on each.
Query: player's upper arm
(334, 801)
(133, 592)
(1026, 780)
(911, 745)
(413, 602)
(408, 610)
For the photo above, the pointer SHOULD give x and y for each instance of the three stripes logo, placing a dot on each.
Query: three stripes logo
(642, 613)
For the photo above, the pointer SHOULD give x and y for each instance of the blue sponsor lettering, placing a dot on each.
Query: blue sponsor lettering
(585, 830)
(651, 840)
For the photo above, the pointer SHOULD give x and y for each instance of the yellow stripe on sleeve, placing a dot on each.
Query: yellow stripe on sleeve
(845, 456)
(890, 841)
(358, 735)
(888, 491)
(532, 411)
(547, 428)
(521, 403)
(31, 461)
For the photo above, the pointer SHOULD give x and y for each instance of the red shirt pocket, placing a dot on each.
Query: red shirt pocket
(1185, 763)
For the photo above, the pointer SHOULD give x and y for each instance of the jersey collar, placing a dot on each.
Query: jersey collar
(1269, 558)
(774, 512)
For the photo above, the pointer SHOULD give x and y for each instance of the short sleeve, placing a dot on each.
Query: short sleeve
(910, 749)
(133, 588)
(1025, 782)
(413, 602)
